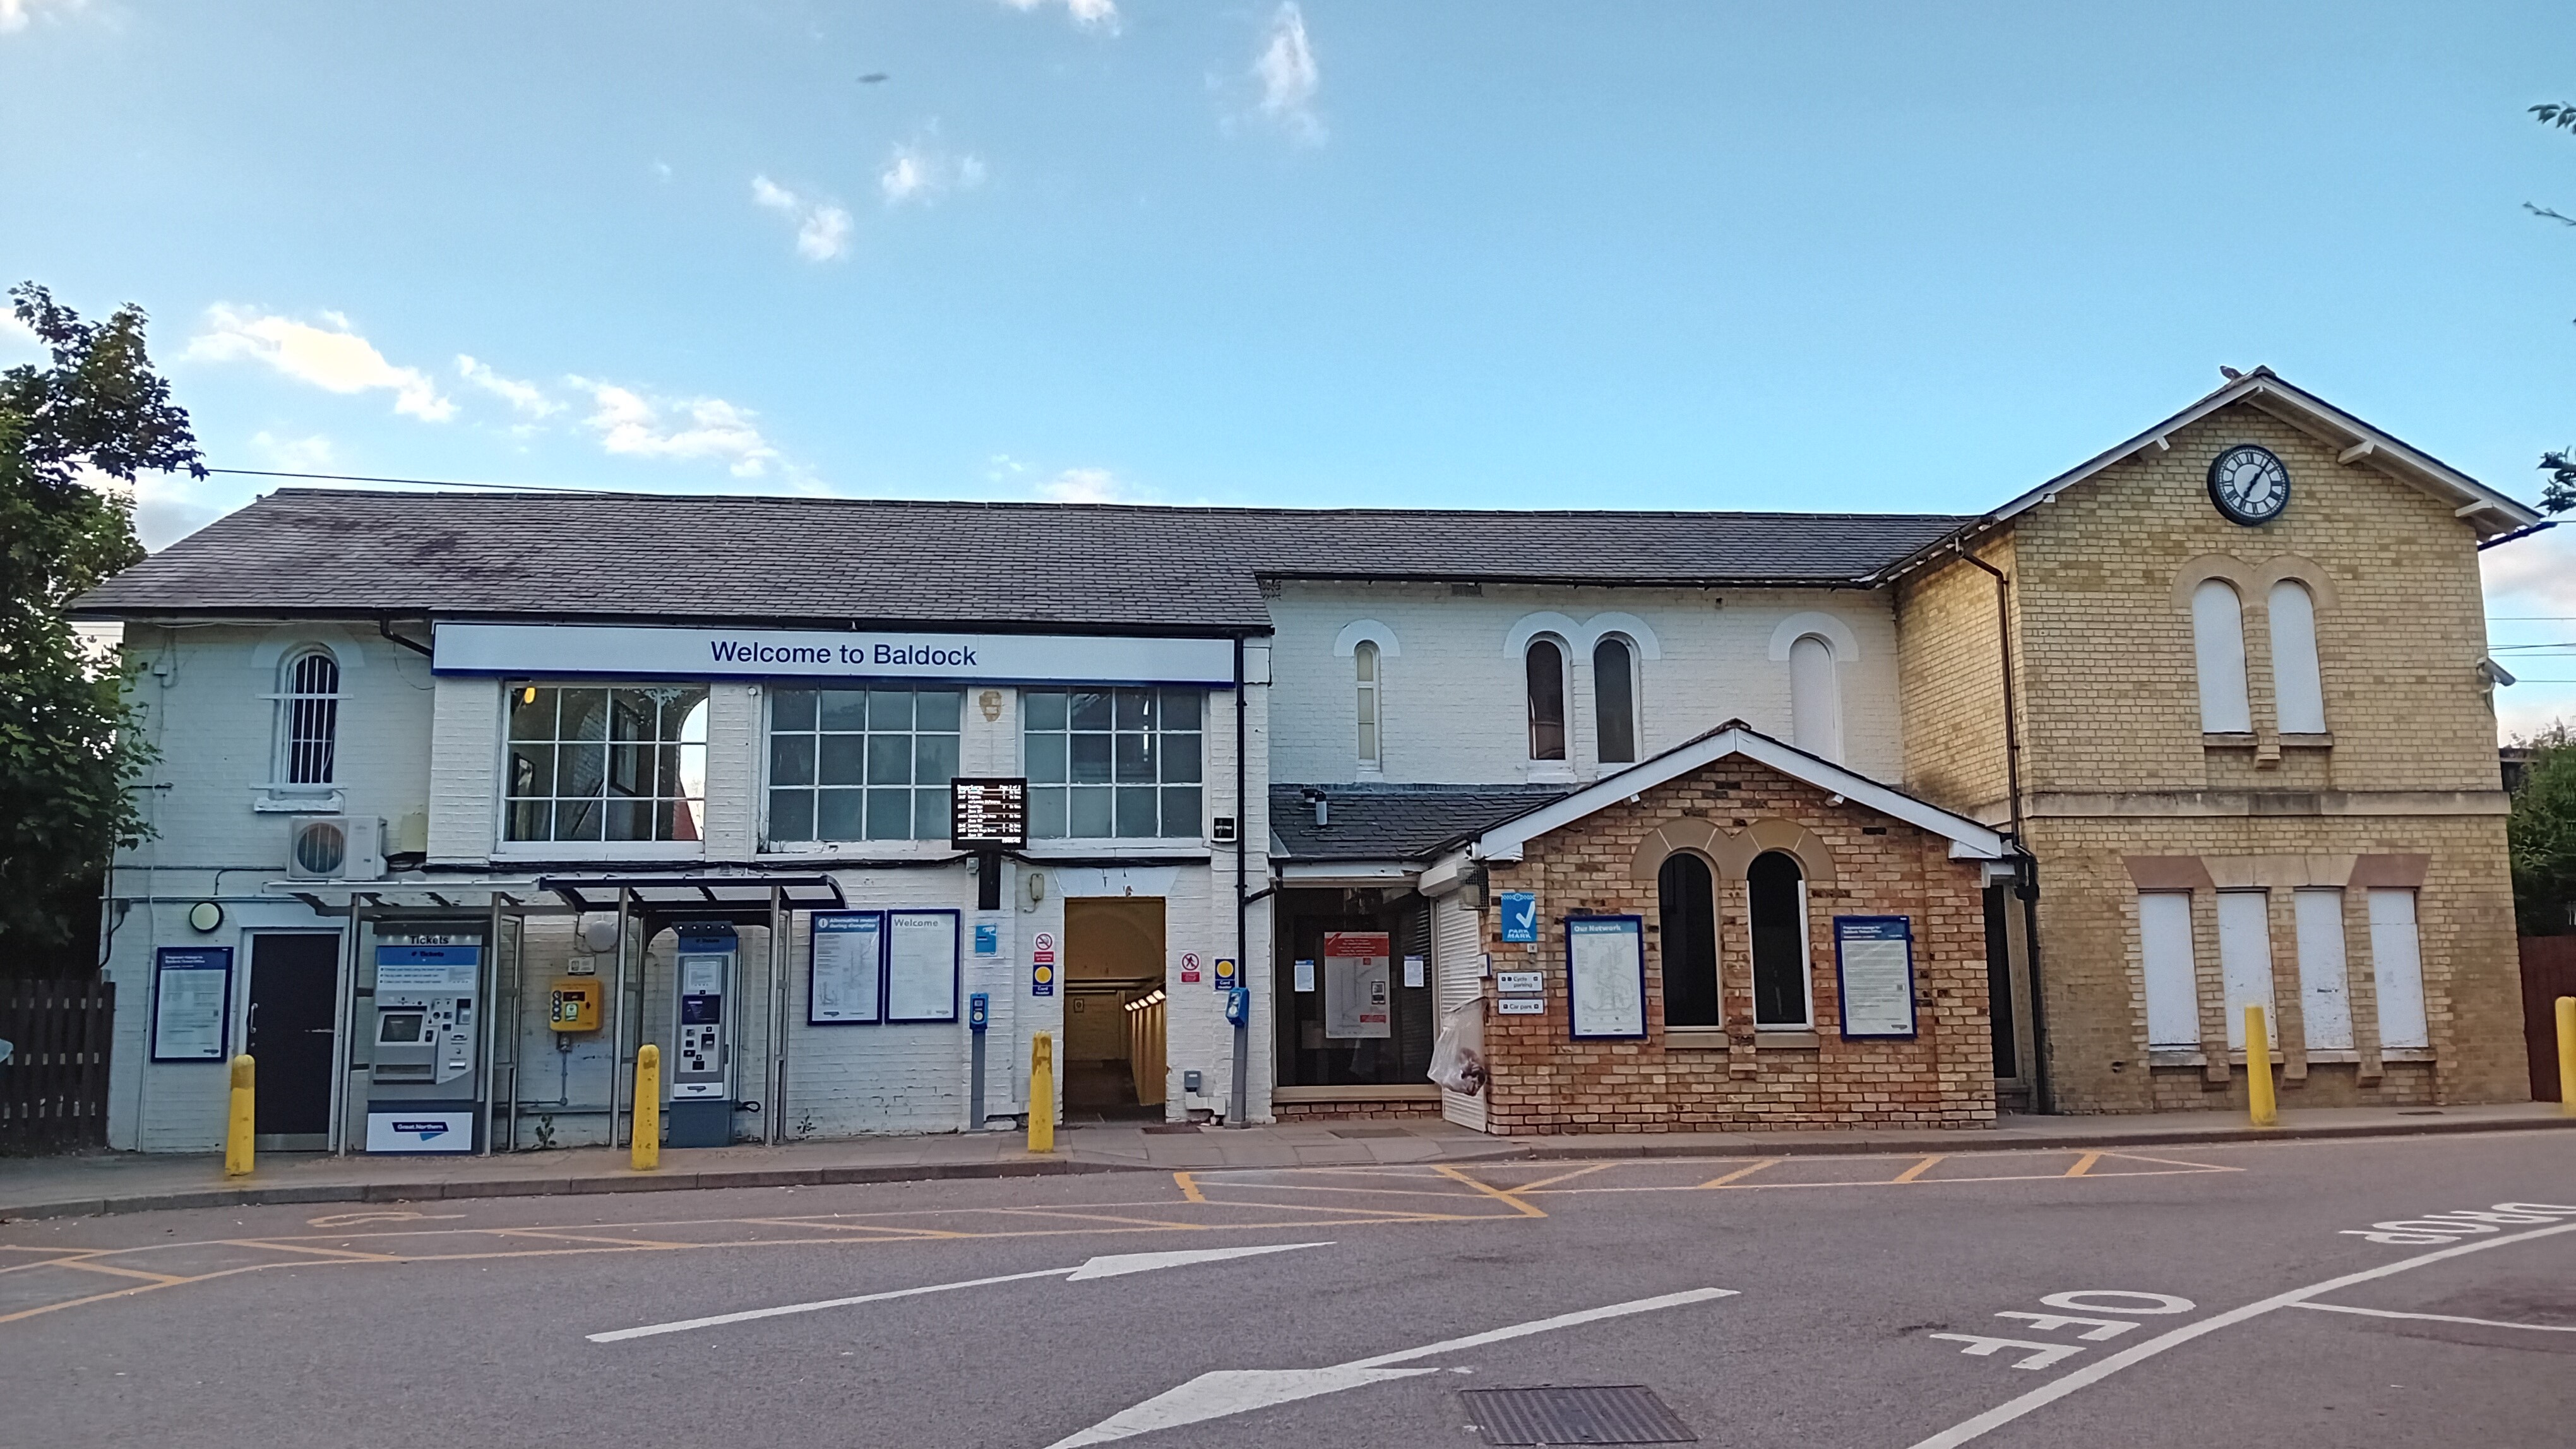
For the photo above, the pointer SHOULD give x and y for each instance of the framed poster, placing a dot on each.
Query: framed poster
(845, 969)
(1605, 976)
(1874, 976)
(921, 965)
(192, 999)
(1356, 998)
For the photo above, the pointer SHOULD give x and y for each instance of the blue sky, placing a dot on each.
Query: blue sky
(1838, 256)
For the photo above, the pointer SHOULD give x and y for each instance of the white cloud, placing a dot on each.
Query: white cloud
(15, 14)
(334, 357)
(524, 397)
(1289, 77)
(1091, 485)
(920, 171)
(705, 429)
(1089, 14)
(295, 455)
(822, 229)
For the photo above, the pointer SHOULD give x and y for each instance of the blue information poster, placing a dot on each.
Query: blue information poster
(1874, 967)
(1520, 916)
(192, 994)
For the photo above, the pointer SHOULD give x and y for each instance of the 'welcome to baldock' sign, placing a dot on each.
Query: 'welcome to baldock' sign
(604, 650)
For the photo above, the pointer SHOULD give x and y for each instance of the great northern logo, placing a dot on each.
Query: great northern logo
(427, 1130)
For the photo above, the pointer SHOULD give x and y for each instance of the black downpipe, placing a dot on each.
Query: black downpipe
(1242, 886)
(2043, 1095)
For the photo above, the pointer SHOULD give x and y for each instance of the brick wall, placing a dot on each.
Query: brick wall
(1545, 1083)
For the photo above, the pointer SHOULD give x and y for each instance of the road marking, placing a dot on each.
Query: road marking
(2437, 1317)
(1563, 1177)
(164, 1279)
(1228, 1392)
(2037, 1355)
(1920, 1168)
(2100, 1369)
(1528, 1210)
(1746, 1171)
(1188, 1183)
(389, 1215)
(2084, 1164)
(2101, 1328)
(1114, 1266)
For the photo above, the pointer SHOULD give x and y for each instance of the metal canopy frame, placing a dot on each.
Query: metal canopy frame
(652, 899)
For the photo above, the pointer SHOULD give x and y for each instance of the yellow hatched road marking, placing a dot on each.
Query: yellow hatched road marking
(1563, 1177)
(1188, 1183)
(1745, 1171)
(1527, 1210)
(2084, 1164)
(1918, 1169)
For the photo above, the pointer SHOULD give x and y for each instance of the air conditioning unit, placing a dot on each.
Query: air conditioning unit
(335, 847)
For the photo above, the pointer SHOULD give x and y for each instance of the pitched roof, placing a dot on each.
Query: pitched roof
(609, 556)
(1392, 822)
(1969, 840)
(2486, 510)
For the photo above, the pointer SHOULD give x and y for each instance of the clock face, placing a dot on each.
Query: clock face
(2249, 485)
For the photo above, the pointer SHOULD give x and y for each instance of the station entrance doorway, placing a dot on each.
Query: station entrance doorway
(1112, 1057)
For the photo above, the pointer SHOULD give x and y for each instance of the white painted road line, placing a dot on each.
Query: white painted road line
(1228, 1392)
(2095, 1372)
(2438, 1317)
(1112, 1266)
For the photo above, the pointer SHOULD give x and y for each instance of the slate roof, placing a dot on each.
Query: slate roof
(627, 556)
(1394, 822)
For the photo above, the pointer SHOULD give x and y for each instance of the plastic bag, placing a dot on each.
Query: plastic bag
(1458, 1053)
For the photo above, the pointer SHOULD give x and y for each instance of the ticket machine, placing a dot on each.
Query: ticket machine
(422, 1095)
(701, 1066)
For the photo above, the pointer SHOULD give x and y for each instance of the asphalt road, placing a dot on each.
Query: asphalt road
(1846, 1301)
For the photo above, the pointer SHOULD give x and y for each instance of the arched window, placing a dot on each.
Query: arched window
(1364, 664)
(2218, 641)
(1780, 997)
(1687, 899)
(1815, 698)
(308, 717)
(2298, 695)
(1546, 661)
(1614, 700)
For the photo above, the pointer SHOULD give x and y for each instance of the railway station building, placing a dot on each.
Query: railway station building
(1541, 822)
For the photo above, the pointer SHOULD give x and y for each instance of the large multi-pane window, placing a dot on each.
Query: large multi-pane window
(861, 764)
(1106, 763)
(594, 762)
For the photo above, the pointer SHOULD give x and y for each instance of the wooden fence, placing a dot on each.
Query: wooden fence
(53, 1087)
(2548, 973)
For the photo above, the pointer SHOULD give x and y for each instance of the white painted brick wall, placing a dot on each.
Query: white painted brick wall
(1453, 703)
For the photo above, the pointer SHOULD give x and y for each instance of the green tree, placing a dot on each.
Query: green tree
(2540, 835)
(68, 748)
(2559, 494)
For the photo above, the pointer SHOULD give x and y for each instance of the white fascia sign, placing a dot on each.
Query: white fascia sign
(627, 652)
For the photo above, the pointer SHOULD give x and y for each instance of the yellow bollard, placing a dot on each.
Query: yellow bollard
(1042, 1093)
(237, 1144)
(645, 1153)
(2567, 1055)
(2258, 1069)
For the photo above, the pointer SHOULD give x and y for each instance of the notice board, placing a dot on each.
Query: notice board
(845, 968)
(192, 997)
(921, 965)
(1874, 970)
(1605, 976)
(1357, 1002)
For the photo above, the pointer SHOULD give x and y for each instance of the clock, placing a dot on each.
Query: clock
(2249, 484)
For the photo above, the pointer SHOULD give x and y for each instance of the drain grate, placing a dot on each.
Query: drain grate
(1173, 1128)
(1372, 1132)
(1600, 1414)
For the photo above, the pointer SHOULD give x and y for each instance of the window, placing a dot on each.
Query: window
(861, 764)
(2298, 695)
(2245, 961)
(1106, 763)
(1364, 663)
(591, 762)
(2397, 969)
(2218, 641)
(2173, 976)
(1815, 698)
(1614, 700)
(1780, 997)
(309, 718)
(1687, 897)
(2324, 1005)
(1546, 665)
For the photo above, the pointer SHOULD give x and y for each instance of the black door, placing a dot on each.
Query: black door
(292, 982)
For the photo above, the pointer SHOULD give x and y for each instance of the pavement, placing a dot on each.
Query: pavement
(124, 1182)
(2376, 1292)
